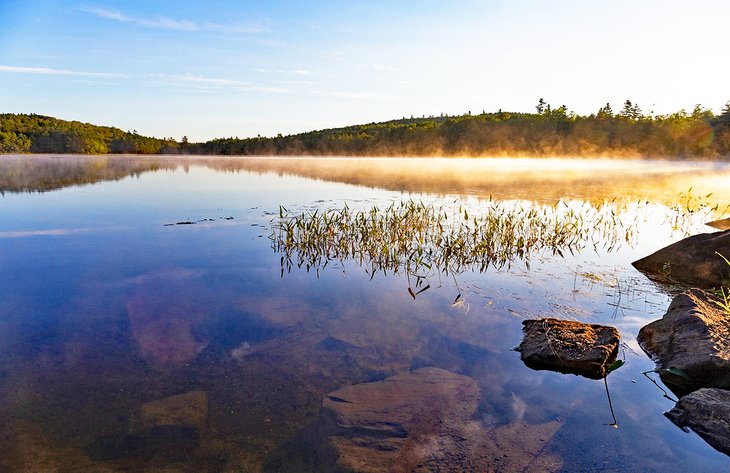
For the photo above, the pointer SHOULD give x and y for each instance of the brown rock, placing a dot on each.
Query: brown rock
(707, 412)
(168, 428)
(164, 308)
(421, 421)
(27, 448)
(723, 224)
(569, 347)
(385, 426)
(392, 406)
(692, 261)
(184, 410)
(694, 336)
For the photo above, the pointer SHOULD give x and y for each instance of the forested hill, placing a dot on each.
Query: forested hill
(32, 133)
(548, 132)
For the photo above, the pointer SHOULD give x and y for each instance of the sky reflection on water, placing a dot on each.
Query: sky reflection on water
(106, 308)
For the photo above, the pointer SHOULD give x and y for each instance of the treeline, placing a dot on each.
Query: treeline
(550, 131)
(20, 133)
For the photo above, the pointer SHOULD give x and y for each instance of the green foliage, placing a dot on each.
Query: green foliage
(11, 142)
(552, 131)
(678, 372)
(615, 365)
(20, 133)
(723, 294)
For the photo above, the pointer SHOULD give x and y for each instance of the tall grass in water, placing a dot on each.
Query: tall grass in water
(419, 239)
(690, 205)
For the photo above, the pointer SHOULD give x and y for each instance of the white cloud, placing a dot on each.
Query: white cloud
(198, 79)
(213, 83)
(58, 72)
(173, 24)
(299, 72)
(375, 67)
(299, 82)
(355, 95)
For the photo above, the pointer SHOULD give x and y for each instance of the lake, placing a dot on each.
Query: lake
(150, 321)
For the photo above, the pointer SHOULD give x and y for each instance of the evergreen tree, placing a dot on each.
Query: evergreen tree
(541, 106)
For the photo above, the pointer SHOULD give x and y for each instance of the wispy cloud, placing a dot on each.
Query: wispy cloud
(299, 72)
(299, 82)
(166, 23)
(375, 67)
(49, 232)
(213, 83)
(58, 72)
(354, 95)
(198, 79)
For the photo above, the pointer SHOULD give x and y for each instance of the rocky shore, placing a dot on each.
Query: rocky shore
(691, 342)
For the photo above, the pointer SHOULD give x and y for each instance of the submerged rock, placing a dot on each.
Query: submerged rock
(188, 410)
(420, 421)
(165, 308)
(569, 347)
(693, 336)
(169, 428)
(391, 407)
(692, 261)
(381, 426)
(707, 412)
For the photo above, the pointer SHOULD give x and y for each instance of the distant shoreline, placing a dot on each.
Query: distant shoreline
(550, 133)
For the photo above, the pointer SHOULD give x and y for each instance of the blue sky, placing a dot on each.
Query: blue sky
(242, 68)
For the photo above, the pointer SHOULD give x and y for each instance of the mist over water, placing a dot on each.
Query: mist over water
(538, 179)
(111, 309)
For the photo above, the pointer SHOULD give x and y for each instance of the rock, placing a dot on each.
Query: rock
(692, 261)
(569, 347)
(707, 412)
(420, 421)
(392, 406)
(694, 336)
(189, 410)
(27, 448)
(378, 426)
(164, 309)
(171, 442)
(723, 224)
(169, 428)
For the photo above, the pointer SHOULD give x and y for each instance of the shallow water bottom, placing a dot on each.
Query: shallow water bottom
(128, 345)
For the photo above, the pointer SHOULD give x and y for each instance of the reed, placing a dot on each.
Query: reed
(419, 239)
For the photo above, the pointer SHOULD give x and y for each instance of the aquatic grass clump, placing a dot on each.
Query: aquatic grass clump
(420, 239)
(691, 208)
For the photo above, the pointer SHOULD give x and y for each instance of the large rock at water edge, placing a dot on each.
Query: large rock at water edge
(694, 336)
(692, 261)
(707, 412)
(569, 347)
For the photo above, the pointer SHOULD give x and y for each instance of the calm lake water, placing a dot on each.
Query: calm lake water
(110, 307)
